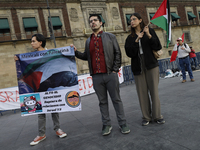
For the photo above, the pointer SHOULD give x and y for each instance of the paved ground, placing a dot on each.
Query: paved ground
(179, 105)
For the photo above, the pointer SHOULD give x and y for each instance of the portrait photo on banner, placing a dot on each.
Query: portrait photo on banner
(48, 81)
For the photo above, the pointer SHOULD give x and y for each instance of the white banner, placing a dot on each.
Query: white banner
(86, 84)
(9, 98)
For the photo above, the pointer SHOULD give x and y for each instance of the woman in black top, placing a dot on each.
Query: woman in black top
(139, 47)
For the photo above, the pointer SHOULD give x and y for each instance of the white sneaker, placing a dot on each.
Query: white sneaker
(38, 139)
(60, 133)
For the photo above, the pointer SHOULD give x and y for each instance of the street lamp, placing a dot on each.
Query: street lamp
(50, 25)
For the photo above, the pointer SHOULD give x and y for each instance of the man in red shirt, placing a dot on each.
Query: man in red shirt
(193, 58)
(103, 54)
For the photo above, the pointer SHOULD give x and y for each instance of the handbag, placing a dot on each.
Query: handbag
(157, 54)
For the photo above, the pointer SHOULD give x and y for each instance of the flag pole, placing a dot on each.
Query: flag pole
(53, 36)
(148, 24)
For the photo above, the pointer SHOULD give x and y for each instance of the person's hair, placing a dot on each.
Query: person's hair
(95, 15)
(40, 38)
(142, 24)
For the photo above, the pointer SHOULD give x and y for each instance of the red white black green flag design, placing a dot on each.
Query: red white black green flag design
(47, 81)
(162, 19)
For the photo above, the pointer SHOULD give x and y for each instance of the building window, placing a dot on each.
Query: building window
(102, 20)
(57, 26)
(191, 17)
(170, 52)
(187, 37)
(4, 30)
(199, 15)
(174, 17)
(128, 21)
(150, 17)
(166, 37)
(30, 26)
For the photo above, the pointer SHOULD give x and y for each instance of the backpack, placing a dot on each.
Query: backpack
(183, 44)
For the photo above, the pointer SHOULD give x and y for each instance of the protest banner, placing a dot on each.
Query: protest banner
(9, 98)
(47, 81)
(86, 84)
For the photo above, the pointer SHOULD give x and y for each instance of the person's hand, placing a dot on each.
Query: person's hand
(140, 35)
(16, 58)
(146, 30)
(72, 45)
(183, 48)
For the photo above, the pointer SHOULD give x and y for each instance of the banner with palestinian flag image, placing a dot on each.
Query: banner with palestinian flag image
(50, 73)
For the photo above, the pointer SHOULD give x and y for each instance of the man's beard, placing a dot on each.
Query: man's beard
(96, 29)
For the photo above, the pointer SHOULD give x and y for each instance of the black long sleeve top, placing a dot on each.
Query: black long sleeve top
(148, 45)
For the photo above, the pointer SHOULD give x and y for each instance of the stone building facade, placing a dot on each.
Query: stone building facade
(72, 26)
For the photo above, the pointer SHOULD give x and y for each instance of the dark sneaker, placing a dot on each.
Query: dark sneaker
(160, 121)
(124, 129)
(106, 129)
(145, 122)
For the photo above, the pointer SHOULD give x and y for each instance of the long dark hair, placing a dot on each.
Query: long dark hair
(142, 24)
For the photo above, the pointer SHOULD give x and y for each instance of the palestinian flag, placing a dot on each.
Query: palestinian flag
(51, 72)
(162, 19)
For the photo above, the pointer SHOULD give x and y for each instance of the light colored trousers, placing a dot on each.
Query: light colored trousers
(147, 87)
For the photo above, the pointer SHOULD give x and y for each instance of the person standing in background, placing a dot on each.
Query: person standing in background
(193, 58)
(184, 60)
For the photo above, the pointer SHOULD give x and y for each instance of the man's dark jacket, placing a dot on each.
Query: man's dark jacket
(111, 50)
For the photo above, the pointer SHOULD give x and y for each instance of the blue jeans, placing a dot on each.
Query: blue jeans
(193, 61)
(185, 62)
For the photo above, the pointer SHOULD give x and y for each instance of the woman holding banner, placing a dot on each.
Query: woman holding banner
(139, 47)
(38, 42)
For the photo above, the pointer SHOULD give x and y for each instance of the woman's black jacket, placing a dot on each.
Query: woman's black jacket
(148, 45)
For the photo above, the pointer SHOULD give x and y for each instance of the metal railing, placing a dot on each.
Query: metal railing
(164, 64)
(1, 111)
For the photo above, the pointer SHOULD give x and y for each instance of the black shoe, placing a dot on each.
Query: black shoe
(106, 129)
(145, 122)
(160, 121)
(124, 129)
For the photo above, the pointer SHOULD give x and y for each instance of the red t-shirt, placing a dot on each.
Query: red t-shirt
(192, 53)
